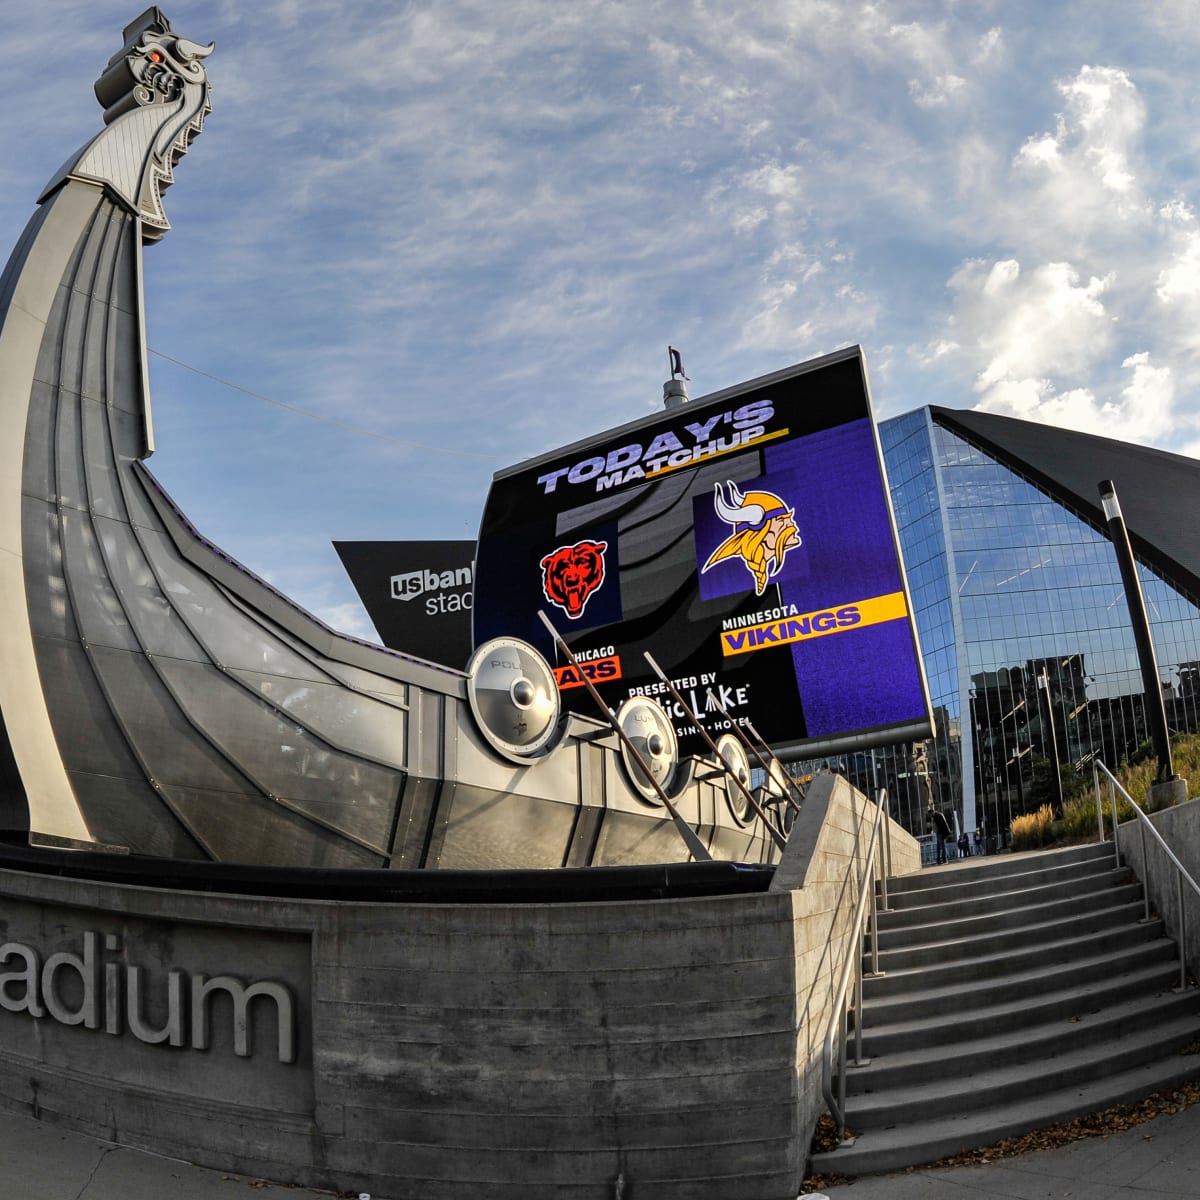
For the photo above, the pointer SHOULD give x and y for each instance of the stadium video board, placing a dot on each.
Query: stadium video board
(746, 540)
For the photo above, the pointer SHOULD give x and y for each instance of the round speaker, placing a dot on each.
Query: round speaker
(774, 798)
(733, 754)
(513, 698)
(651, 733)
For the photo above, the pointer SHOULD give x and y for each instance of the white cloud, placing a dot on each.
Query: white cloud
(1144, 412)
(1180, 278)
(935, 94)
(1085, 171)
(1028, 325)
(990, 46)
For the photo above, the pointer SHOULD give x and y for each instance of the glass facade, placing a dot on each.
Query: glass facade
(1025, 634)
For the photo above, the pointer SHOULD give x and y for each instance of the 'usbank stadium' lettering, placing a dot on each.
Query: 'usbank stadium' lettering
(799, 627)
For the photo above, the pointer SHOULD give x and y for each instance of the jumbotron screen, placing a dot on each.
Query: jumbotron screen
(745, 540)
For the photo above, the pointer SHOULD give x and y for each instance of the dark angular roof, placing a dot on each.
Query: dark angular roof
(1159, 492)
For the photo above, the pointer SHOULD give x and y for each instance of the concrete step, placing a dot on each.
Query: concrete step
(1017, 991)
(935, 938)
(969, 1057)
(946, 904)
(1003, 1082)
(913, 1143)
(949, 943)
(1023, 991)
(936, 888)
(996, 872)
(991, 962)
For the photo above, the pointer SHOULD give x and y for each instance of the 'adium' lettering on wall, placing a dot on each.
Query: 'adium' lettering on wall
(101, 993)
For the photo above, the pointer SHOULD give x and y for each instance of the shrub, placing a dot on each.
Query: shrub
(1139, 773)
(1033, 830)
(1079, 815)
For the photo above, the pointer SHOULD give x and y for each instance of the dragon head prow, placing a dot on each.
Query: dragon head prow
(155, 96)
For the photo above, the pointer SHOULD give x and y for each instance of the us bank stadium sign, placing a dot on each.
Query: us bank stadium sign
(745, 540)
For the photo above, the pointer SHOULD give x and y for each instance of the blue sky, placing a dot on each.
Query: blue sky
(463, 233)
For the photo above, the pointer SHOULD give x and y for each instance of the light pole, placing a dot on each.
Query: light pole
(1168, 788)
(1043, 680)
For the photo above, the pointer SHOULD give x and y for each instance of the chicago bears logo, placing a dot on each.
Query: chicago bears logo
(571, 574)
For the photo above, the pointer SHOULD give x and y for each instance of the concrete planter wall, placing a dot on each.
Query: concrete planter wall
(439, 1051)
(1180, 829)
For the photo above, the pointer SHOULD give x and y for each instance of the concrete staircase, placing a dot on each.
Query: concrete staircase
(1016, 991)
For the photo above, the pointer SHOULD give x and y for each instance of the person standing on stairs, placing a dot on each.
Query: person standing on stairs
(941, 831)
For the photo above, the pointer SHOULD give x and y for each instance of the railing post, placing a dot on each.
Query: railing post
(841, 1119)
(887, 851)
(858, 978)
(1182, 931)
(1145, 872)
(1112, 800)
(1099, 802)
(874, 933)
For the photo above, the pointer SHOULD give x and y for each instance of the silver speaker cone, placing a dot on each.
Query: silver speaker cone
(513, 697)
(652, 735)
(733, 755)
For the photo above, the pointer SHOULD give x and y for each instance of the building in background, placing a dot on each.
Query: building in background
(1014, 582)
(1012, 579)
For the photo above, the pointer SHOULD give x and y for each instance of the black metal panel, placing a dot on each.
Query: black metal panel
(494, 829)
(101, 427)
(14, 807)
(165, 742)
(159, 627)
(626, 838)
(118, 814)
(98, 609)
(355, 723)
(243, 828)
(39, 479)
(410, 839)
(284, 759)
(417, 594)
(1157, 489)
(50, 613)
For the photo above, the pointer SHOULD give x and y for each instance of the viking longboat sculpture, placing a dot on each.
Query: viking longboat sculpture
(158, 698)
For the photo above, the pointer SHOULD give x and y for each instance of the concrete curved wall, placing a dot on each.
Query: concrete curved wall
(438, 1050)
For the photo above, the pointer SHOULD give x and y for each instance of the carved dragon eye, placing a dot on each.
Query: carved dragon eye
(155, 56)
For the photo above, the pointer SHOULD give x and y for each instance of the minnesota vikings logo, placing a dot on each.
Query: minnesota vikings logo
(763, 532)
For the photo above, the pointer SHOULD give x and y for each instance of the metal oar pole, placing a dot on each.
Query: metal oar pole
(776, 836)
(690, 839)
(762, 762)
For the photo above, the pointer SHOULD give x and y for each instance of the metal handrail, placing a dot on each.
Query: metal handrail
(1144, 824)
(837, 1022)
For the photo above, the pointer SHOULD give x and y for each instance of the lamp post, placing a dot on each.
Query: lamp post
(1168, 788)
(1043, 680)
